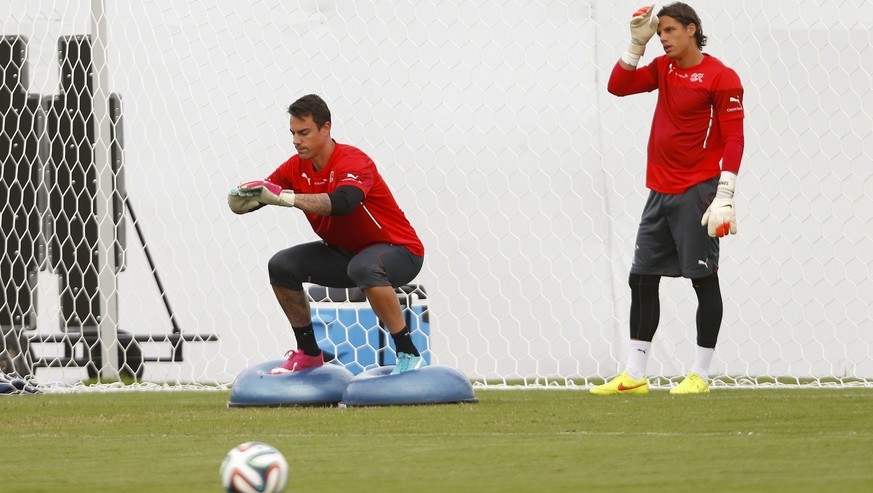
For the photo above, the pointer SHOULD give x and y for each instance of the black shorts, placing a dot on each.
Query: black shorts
(670, 240)
(320, 263)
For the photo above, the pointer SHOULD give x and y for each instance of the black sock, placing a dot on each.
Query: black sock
(306, 340)
(403, 342)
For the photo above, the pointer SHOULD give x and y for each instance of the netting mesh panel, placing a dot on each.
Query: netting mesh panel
(492, 124)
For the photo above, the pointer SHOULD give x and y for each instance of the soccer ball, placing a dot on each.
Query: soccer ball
(254, 467)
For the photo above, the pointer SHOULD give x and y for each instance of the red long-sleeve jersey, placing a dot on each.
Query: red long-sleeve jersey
(697, 129)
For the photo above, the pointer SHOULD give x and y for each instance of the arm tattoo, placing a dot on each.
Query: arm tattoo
(316, 203)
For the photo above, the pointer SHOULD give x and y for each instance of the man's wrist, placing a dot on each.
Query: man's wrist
(630, 59)
(727, 184)
(286, 198)
(633, 54)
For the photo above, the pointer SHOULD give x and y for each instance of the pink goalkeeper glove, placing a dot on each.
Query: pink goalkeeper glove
(266, 193)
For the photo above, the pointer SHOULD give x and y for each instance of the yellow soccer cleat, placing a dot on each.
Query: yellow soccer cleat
(692, 384)
(622, 384)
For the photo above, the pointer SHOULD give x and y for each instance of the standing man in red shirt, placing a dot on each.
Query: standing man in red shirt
(694, 152)
(367, 240)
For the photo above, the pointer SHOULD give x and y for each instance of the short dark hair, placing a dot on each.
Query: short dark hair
(311, 105)
(685, 15)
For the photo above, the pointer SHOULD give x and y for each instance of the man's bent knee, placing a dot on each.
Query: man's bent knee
(284, 272)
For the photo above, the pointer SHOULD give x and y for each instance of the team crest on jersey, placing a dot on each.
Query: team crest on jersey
(319, 181)
(695, 77)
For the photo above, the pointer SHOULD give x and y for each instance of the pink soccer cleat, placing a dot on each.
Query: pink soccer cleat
(298, 360)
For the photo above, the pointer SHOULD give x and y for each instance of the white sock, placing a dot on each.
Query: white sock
(637, 357)
(702, 361)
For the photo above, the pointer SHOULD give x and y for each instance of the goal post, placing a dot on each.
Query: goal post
(492, 125)
(107, 325)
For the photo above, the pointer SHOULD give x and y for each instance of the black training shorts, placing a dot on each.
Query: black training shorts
(670, 240)
(317, 262)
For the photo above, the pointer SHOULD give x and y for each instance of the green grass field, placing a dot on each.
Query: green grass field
(808, 440)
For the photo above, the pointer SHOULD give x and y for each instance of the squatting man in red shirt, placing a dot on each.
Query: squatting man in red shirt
(367, 242)
(694, 152)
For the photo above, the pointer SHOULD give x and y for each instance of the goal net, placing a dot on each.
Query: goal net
(125, 124)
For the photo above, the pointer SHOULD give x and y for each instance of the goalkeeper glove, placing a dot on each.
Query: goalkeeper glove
(643, 26)
(721, 216)
(241, 204)
(267, 193)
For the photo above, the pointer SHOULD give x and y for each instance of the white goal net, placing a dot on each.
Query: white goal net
(124, 130)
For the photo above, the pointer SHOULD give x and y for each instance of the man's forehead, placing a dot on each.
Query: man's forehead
(666, 20)
(302, 123)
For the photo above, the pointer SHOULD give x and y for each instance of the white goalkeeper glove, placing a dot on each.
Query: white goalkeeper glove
(267, 193)
(721, 216)
(643, 25)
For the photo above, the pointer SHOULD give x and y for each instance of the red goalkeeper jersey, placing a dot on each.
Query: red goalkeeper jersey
(697, 123)
(377, 220)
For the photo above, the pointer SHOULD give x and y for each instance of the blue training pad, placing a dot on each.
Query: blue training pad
(322, 386)
(429, 385)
